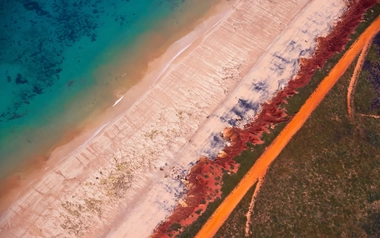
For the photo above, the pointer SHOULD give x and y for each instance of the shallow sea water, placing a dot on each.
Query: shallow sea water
(50, 53)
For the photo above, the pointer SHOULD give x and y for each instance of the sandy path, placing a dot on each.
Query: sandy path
(251, 205)
(259, 169)
(369, 115)
(355, 77)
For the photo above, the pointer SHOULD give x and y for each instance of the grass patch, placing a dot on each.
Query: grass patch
(246, 160)
(325, 183)
(234, 225)
(367, 95)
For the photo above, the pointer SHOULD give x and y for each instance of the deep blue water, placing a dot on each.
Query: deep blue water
(49, 50)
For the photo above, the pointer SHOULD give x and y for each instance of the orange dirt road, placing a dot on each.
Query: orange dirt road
(259, 169)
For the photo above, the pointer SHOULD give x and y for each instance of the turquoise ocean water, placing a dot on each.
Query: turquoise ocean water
(50, 51)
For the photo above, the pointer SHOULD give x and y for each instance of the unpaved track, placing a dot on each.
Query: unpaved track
(354, 78)
(259, 169)
(369, 115)
(251, 205)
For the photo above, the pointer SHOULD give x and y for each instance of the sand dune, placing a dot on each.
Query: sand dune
(127, 178)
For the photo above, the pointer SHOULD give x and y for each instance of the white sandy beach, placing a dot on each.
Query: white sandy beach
(127, 177)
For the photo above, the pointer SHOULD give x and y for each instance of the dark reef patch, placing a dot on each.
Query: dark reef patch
(37, 89)
(35, 6)
(35, 43)
(20, 79)
(72, 23)
(36, 36)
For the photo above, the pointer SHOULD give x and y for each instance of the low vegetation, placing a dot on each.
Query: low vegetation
(289, 180)
(325, 183)
(367, 93)
(234, 225)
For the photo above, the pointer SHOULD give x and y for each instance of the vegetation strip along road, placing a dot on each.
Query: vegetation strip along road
(259, 169)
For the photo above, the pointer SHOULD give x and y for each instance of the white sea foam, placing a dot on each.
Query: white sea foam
(170, 62)
(185, 48)
(216, 23)
(96, 132)
(117, 101)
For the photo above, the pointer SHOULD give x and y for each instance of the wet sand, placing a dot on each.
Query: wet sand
(20, 184)
(134, 162)
(141, 76)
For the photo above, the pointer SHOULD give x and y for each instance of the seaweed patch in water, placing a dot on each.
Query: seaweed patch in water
(35, 6)
(20, 79)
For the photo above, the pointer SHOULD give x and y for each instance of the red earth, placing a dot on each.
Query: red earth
(205, 178)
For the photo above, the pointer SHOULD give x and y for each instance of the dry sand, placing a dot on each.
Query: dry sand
(127, 177)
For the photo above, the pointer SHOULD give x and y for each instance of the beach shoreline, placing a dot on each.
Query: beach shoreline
(22, 177)
(128, 68)
(157, 68)
(138, 160)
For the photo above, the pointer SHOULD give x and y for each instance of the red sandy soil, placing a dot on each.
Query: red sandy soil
(204, 189)
(260, 167)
